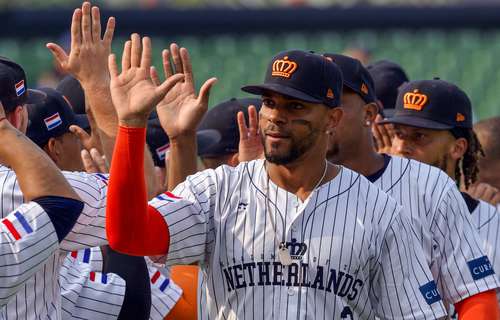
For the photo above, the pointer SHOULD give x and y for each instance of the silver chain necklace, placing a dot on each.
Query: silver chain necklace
(283, 253)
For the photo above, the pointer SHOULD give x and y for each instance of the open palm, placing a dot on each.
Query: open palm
(181, 110)
(133, 92)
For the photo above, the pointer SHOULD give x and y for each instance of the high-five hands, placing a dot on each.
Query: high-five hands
(133, 91)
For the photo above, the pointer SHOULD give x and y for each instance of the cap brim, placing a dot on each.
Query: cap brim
(206, 139)
(388, 113)
(281, 89)
(35, 96)
(82, 121)
(416, 122)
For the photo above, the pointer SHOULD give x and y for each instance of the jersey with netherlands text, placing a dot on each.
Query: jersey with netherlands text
(353, 255)
(442, 223)
(40, 296)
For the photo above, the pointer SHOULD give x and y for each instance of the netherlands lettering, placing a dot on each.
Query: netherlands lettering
(266, 273)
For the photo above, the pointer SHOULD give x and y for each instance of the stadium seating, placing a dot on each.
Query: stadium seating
(466, 57)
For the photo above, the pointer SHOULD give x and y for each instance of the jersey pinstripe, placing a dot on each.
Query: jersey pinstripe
(28, 239)
(440, 220)
(40, 296)
(88, 294)
(487, 220)
(352, 251)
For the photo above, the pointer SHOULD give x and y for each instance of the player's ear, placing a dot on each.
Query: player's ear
(458, 148)
(334, 116)
(52, 149)
(370, 111)
(15, 117)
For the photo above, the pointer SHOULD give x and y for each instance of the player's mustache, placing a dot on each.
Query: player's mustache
(274, 129)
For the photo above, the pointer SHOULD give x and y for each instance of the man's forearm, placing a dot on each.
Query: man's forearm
(37, 175)
(182, 160)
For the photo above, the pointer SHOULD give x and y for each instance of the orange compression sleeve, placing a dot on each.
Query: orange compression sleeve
(482, 306)
(132, 227)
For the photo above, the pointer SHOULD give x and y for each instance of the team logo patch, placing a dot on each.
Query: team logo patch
(168, 196)
(98, 277)
(162, 151)
(284, 68)
(81, 255)
(53, 121)
(20, 88)
(160, 281)
(480, 268)
(460, 117)
(329, 94)
(17, 225)
(430, 292)
(296, 249)
(414, 100)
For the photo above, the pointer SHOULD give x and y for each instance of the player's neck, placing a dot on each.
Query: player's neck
(361, 158)
(302, 176)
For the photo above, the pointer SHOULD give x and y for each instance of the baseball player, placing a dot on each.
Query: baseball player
(30, 234)
(440, 216)
(291, 236)
(440, 133)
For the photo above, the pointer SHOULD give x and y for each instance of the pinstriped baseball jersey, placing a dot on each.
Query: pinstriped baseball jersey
(351, 250)
(40, 296)
(487, 220)
(164, 292)
(28, 239)
(87, 294)
(440, 220)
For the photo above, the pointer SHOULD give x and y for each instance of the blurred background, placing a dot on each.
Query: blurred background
(456, 40)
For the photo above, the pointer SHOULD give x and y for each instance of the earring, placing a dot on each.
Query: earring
(368, 123)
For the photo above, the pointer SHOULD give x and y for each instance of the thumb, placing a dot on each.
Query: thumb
(205, 91)
(58, 53)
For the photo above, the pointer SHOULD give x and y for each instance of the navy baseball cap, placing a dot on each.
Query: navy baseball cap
(50, 115)
(158, 142)
(432, 104)
(387, 77)
(355, 76)
(13, 85)
(302, 75)
(70, 88)
(222, 118)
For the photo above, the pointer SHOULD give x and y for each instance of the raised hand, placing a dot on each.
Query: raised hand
(87, 60)
(250, 147)
(133, 92)
(182, 109)
(93, 161)
(382, 135)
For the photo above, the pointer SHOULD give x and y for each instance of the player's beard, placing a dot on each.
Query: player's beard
(298, 146)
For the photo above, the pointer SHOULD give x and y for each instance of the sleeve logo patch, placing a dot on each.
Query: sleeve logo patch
(480, 268)
(430, 292)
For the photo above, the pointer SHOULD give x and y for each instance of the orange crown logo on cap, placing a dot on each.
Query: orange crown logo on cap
(329, 94)
(460, 117)
(284, 68)
(414, 100)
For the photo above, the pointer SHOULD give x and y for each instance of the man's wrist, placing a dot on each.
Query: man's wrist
(136, 122)
(183, 138)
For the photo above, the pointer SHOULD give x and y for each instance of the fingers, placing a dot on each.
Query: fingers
(168, 84)
(59, 54)
(76, 29)
(385, 135)
(127, 47)
(110, 31)
(80, 133)
(86, 23)
(154, 76)
(242, 126)
(205, 91)
(253, 121)
(187, 68)
(135, 52)
(96, 25)
(167, 68)
(113, 68)
(146, 53)
(89, 165)
(174, 50)
(99, 160)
